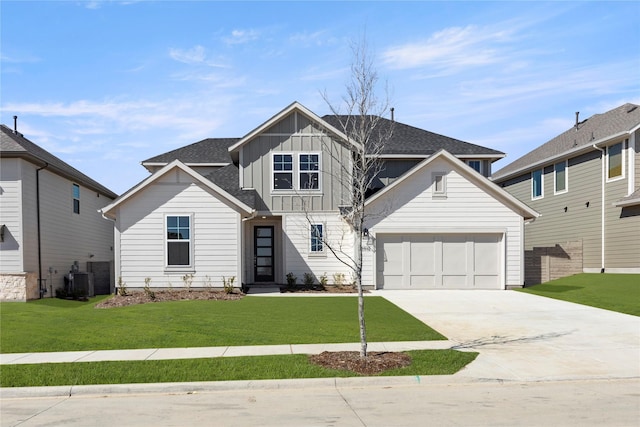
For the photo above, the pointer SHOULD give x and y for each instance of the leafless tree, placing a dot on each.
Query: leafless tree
(360, 117)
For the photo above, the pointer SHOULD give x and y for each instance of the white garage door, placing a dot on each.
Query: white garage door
(445, 261)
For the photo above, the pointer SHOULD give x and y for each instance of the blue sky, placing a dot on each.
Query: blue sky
(106, 84)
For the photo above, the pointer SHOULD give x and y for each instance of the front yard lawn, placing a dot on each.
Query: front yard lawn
(616, 292)
(425, 362)
(62, 325)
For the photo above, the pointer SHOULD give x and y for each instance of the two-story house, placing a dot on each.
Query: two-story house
(585, 183)
(271, 203)
(49, 222)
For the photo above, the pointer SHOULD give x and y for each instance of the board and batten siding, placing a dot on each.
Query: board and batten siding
(582, 219)
(467, 209)
(298, 257)
(140, 234)
(296, 134)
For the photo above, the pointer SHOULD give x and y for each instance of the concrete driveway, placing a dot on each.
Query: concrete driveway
(526, 337)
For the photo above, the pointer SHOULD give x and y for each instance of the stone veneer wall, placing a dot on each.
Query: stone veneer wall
(542, 264)
(18, 287)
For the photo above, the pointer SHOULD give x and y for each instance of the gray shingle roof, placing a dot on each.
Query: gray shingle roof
(597, 127)
(409, 140)
(16, 145)
(210, 150)
(227, 178)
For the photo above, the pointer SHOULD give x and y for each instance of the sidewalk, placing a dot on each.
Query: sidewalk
(206, 352)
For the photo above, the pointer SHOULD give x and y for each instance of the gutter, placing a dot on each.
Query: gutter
(602, 161)
(40, 292)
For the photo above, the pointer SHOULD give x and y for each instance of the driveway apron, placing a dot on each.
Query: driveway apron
(526, 337)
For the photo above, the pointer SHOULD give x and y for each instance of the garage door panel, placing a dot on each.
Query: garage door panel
(446, 261)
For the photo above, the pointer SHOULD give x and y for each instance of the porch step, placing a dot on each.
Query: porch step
(263, 290)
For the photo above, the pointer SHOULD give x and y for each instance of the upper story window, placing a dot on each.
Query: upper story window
(475, 165)
(560, 177)
(317, 236)
(282, 171)
(178, 238)
(615, 161)
(76, 198)
(309, 171)
(537, 181)
(439, 184)
(296, 172)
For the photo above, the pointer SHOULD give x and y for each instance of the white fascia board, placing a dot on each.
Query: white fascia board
(566, 154)
(175, 164)
(438, 230)
(190, 164)
(295, 106)
(424, 156)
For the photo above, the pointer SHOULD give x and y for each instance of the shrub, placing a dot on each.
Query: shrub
(122, 287)
(338, 279)
(292, 280)
(187, 279)
(227, 284)
(61, 293)
(308, 280)
(206, 282)
(147, 289)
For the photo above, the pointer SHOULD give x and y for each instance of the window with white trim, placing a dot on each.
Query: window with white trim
(309, 165)
(475, 165)
(299, 171)
(560, 177)
(615, 161)
(316, 239)
(282, 171)
(537, 183)
(178, 240)
(76, 198)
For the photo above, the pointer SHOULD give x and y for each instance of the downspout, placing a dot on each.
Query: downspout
(116, 250)
(603, 157)
(46, 165)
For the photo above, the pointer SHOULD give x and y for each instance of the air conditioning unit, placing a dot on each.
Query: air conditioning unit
(83, 282)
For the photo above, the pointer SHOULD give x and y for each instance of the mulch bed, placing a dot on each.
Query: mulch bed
(375, 362)
(139, 297)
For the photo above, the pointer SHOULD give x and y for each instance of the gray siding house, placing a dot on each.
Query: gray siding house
(270, 203)
(585, 183)
(49, 222)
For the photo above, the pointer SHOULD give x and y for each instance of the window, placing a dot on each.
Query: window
(282, 172)
(178, 241)
(615, 161)
(317, 235)
(560, 173)
(76, 198)
(475, 165)
(309, 171)
(303, 174)
(536, 184)
(439, 184)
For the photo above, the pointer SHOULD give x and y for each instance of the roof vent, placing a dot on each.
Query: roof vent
(392, 115)
(631, 108)
(15, 124)
(577, 119)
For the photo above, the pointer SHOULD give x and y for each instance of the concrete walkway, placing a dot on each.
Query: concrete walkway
(206, 352)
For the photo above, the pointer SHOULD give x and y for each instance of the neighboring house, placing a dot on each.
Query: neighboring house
(586, 185)
(259, 207)
(49, 222)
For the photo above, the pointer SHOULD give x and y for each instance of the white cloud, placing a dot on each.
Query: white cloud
(242, 36)
(453, 48)
(195, 55)
(316, 38)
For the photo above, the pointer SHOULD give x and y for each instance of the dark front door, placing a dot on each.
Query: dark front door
(263, 254)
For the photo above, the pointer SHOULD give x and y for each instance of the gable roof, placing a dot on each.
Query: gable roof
(14, 144)
(214, 151)
(294, 106)
(470, 174)
(412, 141)
(597, 129)
(236, 204)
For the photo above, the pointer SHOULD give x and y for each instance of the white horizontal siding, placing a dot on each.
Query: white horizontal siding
(299, 260)
(214, 231)
(11, 216)
(410, 208)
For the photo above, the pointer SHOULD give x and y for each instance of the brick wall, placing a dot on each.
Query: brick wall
(542, 264)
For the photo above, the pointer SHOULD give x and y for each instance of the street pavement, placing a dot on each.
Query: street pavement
(541, 361)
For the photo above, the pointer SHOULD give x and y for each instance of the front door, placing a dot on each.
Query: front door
(263, 254)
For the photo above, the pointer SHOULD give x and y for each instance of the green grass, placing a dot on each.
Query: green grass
(62, 325)
(616, 292)
(424, 362)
